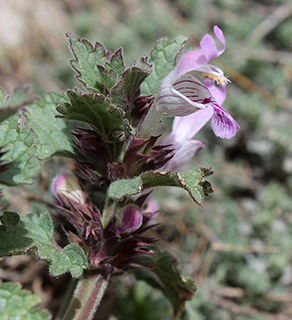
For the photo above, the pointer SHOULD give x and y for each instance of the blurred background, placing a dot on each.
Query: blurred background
(238, 245)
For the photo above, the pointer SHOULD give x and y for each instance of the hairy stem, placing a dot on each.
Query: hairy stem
(87, 296)
(108, 212)
(150, 122)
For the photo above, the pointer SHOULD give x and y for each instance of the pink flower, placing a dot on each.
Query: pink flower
(67, 188)
(131, 220)
(183, 130)
(182, 94)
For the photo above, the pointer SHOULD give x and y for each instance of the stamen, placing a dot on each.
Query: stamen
(214, 73)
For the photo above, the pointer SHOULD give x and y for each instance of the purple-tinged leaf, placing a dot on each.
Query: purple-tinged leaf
(97, 111)
(86, 57)
(128, 87)
(97, 68)
(142, 155)
(161, 273)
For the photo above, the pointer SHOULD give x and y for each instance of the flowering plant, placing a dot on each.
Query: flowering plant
(119, 158)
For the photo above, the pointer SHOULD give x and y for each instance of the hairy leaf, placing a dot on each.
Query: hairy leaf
(116, 62)
(96, 110)
(126, 89)
(19, 99)
(162, 274)
(162, 58)
(192, 181)
(96, 67)
(86, 57)
(19, 151)
(19, 234)
(125, 187)
(19, 304)
(3, 97)
(52, 135)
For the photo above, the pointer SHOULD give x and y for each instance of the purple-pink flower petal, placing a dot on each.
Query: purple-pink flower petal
(187, 127)
(151, 206)
(219, 93)
(183, 130)
(189, 94)
(190, 61)
(220, 36)
(222, 124)
(208, 44)
(66, 187)
(182, 94)
(183, 153)
(184, 97)
(131, 220)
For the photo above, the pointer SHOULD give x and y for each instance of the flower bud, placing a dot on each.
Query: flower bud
(131, 220)
(66, 187)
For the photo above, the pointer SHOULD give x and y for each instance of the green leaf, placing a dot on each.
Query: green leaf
(19, 99)
(43, 136)
(192, 181)
(125, 91)
(19, 304)
(162, 274)
(95, 65)
(20, 152)
(96, 110)
(3, 97)
(116, 63)
(162, 58)
(19, 234)
(52, 135)
(86, 57)
(125, 187)
(108, 79)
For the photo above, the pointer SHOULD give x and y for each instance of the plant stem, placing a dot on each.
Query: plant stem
(149, 124)
(87, 296)
(108, 212)
(66, 299)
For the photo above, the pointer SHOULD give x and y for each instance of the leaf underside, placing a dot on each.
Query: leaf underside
(97, 111)
(192, 181)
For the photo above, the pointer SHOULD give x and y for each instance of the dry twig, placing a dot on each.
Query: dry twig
(271, 22)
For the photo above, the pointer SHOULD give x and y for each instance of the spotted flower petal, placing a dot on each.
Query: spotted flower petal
(222, 124)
